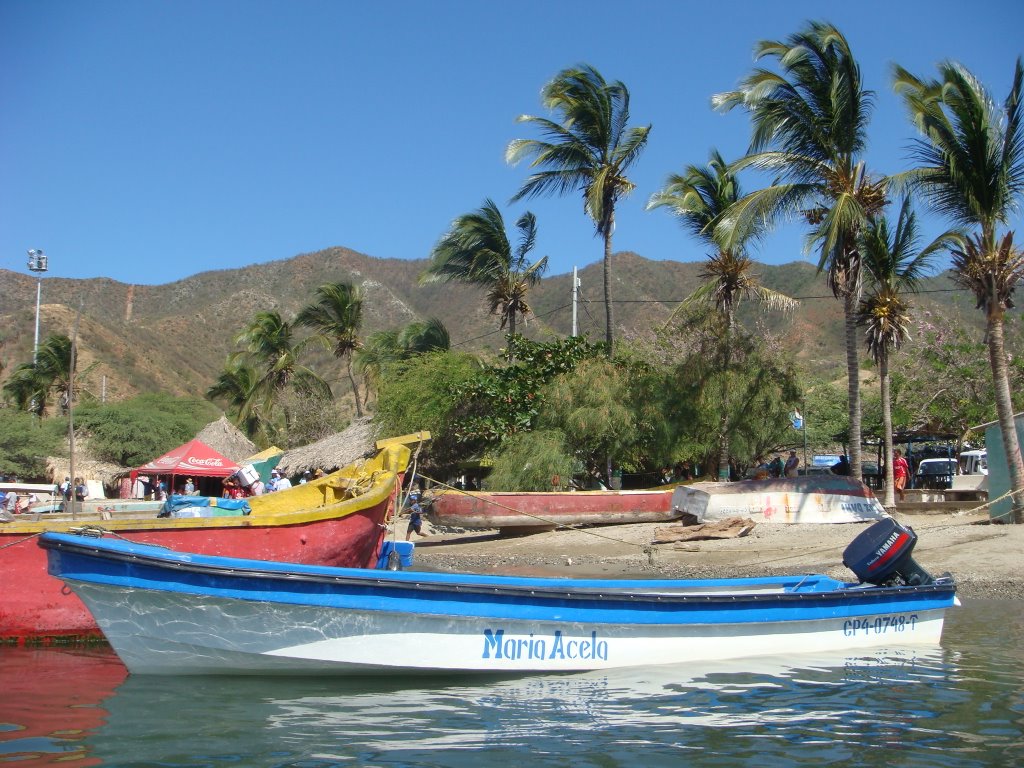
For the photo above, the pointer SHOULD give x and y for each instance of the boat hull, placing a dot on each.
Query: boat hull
(811, 499)
(312, 524)
(176, 613)
(513, 511)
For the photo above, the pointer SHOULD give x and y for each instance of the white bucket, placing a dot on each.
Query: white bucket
(248, 475)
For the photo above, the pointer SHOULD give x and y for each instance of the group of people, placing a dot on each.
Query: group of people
(234, 488)
(680, 473)
(79, 488)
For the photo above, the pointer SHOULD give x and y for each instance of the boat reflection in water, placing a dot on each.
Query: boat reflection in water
(51, 699)
(299, 721)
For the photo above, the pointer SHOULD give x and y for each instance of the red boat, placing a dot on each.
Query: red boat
(522, 512)
(337, 520)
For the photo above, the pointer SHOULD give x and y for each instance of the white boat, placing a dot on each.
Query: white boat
(810, 499)
(175, 613)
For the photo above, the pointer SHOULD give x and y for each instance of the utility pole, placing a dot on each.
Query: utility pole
(575, 298)
(37, 262)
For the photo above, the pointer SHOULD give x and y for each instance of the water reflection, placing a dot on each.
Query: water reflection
(957, 705)
(51, 699)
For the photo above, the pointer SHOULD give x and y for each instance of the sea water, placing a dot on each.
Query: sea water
(961, 704)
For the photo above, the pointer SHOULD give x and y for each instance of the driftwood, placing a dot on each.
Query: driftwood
(730, 528)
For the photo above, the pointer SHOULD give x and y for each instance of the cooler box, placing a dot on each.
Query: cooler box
(248, 475)
(404, 550)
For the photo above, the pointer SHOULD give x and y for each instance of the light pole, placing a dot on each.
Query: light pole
(37, 262)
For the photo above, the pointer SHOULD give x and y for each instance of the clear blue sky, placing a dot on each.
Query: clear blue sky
(146, 141)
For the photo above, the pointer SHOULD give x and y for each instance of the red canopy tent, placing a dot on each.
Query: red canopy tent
(194, 458)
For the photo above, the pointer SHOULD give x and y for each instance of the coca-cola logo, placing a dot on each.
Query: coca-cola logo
(210, 462)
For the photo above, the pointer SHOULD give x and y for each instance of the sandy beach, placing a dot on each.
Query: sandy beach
(985, 559)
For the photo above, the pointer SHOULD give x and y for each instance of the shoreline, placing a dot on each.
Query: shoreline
(982, 557)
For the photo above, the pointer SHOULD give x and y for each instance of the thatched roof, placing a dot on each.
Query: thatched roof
(337, 450)
(59, 467)
(226, 439)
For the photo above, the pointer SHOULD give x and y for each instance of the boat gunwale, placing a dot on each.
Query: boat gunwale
(505, 586)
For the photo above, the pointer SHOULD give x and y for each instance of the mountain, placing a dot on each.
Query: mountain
(175, 337)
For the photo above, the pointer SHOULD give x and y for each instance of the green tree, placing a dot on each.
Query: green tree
(335, 318)
(532, 461)
(268, 341)
(503, 400)
(476, 250)
(763, 391)
(25, 442)
(700, 198)
(589, 151)
(810, 127)
(894, 266)
(591, 406)
(948, 386)
(422, 392)
(131, 432)
(970, 167)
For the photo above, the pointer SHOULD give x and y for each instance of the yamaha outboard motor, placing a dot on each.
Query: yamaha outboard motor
(881, 555)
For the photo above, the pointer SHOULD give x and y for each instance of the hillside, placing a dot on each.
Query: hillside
(175, 337)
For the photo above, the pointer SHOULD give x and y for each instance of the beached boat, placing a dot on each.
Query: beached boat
(338, 520)
(810, 499)
(168, 612)
(522, 512)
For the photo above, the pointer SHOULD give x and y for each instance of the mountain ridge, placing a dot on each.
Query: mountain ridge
(176, 336)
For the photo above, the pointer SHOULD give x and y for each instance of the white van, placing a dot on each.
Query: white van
(974, 462)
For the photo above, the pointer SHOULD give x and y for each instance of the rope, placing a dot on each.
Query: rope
(1008, 515)
(21, 541)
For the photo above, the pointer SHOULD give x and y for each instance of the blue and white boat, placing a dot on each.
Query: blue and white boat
(167, 612)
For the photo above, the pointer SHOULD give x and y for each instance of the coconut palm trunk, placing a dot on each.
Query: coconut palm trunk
(850, 302)
(1004, 409)
(609, 321)
(890, 490)
(723, 422)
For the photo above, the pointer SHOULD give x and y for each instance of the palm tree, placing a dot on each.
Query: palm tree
(476, 250)
(238, 384)
(810, 127)
(894, 266)
(335, 318)
(268, 340)
(27, 390)
(700, 198)
(589, 151)
(970, 168)
(32, 384)
(385, 347)
(419, 337)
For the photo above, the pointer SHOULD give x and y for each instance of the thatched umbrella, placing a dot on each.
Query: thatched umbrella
(351, 444)
(226, 439)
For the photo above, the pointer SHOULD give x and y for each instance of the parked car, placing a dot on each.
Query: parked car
(936, 474)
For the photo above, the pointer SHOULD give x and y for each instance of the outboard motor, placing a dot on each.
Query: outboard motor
(881, 555)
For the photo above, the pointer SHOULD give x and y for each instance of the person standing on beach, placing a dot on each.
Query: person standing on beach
(900, 473)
